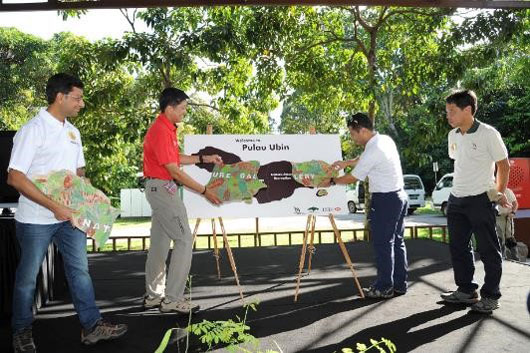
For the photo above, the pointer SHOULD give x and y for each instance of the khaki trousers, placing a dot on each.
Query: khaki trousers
(504, 225)
(169, 222)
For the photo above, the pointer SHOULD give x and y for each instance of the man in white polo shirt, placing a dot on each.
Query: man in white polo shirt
(47, 143)
(476, 149)
(380, 162)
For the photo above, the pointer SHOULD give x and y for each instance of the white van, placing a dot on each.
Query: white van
(415, 191)
(440, 194)
(413, 187)
(355, 196)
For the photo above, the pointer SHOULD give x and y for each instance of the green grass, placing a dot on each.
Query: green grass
(427, 209)
(132, 221)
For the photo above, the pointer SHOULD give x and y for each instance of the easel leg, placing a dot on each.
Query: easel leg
(195, 231)
(231, 258)
(216, 249)
(345, 254)
(257, 240)
(311, 247)
(302, 257)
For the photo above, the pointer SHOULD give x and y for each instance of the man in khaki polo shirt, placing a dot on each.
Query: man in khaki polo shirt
(477, 149)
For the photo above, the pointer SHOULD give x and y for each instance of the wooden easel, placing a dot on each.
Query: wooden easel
(225, 242)
(311, 220)
(216, 250)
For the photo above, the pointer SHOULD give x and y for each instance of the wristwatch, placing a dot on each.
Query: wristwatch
(332, 181)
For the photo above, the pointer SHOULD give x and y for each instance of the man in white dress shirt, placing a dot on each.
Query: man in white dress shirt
(477, 149)
(47, 143)
(380, 162)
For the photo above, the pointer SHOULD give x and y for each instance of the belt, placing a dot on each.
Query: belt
(387, 192)
(471, 196)
(176, 182)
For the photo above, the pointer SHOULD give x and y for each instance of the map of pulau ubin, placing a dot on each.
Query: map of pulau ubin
(236, 182)
(241, 181)
(94, 214)
(267, 175)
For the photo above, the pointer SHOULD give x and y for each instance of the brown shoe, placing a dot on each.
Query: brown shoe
(182, 307)
(23, 341)
(102, 331)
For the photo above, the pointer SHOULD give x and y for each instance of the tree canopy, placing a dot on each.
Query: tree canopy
(321, 63)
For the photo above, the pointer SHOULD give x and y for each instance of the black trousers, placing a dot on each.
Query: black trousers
(467, 216)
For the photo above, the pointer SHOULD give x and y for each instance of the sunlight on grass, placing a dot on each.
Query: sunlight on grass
(427, 209)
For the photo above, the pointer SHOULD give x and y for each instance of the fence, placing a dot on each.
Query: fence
(288, 238)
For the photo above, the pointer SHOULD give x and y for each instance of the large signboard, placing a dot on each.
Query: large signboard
(265, 175)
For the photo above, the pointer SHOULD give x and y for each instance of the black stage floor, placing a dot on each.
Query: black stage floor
(328, 316)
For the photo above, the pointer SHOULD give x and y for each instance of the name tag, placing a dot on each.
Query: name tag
(171, 187)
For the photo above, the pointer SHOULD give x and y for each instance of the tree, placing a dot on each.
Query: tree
(365, 57)
(25, 65)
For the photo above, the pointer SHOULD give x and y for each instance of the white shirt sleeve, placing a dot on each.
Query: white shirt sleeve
(25, 145)
(450, 142)
(365, 164)
(496, 147)
(81, 157)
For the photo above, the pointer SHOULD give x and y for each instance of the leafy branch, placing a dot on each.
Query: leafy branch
(362, 348)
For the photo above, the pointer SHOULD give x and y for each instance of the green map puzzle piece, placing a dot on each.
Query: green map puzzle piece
(94, 214)
(236, 182)
(312, 173)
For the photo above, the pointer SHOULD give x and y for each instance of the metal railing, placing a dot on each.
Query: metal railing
(286, 238)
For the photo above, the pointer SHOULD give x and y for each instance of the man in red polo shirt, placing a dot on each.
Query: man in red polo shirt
(169, 220)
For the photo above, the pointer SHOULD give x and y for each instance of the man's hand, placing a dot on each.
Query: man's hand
(213, 158)
(26, 187)
(63, 213)
(503, 201)
(339, 165)
(325, 183)
(212, 197)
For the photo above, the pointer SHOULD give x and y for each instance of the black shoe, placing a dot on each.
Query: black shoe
(458, 297)
(399, 292)
(374, 293)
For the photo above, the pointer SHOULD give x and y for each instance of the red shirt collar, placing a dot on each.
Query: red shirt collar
(165, 120)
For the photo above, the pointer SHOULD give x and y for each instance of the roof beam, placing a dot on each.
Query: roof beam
(114, 4)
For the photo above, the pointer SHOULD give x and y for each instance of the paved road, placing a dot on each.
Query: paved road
(248, 225)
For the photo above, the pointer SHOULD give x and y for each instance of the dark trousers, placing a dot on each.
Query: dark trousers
(387, 227)
(474, 215)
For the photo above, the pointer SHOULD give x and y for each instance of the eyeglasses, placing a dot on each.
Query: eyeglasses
(77, 99)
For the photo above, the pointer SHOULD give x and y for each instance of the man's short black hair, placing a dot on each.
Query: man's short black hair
(61, 83)
(358, 121)
(462, 99)
(171, 96)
